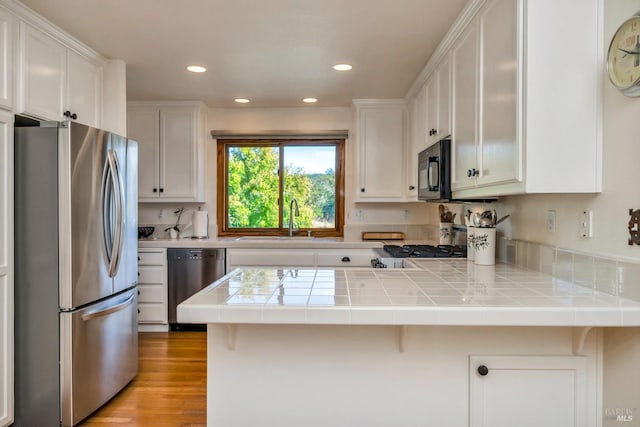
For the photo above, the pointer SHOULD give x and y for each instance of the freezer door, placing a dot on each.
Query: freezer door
(84, 263)
(99, 354)
(126, 153)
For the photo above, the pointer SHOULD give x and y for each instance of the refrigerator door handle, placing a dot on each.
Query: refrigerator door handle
(120, 213)
(112, 212)
(121, 305)
(106, 211)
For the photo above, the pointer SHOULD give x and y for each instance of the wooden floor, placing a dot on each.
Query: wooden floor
(170, 389)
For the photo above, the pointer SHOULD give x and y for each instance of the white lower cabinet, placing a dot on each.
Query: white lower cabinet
(152, 289)
(528, 391)
(6, 268)
(299, 258)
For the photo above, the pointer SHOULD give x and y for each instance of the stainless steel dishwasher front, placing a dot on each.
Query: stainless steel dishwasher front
(190, 270)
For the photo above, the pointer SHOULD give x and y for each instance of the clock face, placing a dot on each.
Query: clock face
(624, 57)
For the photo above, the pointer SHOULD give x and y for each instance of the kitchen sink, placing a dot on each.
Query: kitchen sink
(276, 238)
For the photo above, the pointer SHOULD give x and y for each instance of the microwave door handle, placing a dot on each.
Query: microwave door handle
(434, 174)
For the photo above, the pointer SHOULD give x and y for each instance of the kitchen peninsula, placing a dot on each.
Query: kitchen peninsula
(446, 344)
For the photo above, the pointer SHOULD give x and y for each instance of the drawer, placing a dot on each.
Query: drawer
(357, 258)
(284, 258)
(151, 293)
(152, 313)
(152, 258)
(151, 275)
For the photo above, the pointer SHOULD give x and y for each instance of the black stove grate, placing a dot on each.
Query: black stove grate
(426, 251)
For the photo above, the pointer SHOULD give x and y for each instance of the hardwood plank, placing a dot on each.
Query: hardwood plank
(170, 388)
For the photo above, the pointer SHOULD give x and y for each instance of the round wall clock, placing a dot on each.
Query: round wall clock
(623, 59)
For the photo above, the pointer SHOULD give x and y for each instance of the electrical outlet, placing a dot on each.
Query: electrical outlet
(358, 215)
(586, 224)
(551, 221)
(405, 214)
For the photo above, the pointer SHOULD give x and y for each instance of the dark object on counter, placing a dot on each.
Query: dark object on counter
(144, 232)
(426, 251)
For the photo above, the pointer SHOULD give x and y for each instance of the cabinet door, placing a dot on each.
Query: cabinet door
(381, 152)
(178, 154)
(432, 108)
(529, 391)
(42, 74)
(143, 127)
(444, 99)
(417, 140)
(465, 101)
(6, 268)
(7, 40)
(84, 89)
(500, 154)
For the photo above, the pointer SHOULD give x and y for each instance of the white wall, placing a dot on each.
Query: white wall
(621, 183)
(395, 216)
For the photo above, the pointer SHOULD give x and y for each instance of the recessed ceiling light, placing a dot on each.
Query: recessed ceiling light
(196, 69)
(342, 67)
(310, 100)
(241, 100)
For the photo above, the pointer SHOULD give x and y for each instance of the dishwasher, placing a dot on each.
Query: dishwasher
(190, 270)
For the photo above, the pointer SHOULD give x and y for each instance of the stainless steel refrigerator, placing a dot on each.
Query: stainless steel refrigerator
(76, 342)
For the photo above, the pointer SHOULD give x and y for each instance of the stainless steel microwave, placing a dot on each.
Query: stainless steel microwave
(434, 172)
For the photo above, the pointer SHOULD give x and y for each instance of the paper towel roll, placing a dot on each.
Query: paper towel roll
(200, 223)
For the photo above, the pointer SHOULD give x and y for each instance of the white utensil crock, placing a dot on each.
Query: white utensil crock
(485, 246)
(446, 233)
(471, 250)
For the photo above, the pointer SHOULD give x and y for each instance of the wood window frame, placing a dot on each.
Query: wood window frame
(222, 177)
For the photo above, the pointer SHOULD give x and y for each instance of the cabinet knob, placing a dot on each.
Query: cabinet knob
(162, 190)
(362, 190)
(473, 172)
(483, 370)
(68, 114)
(412, 187)
(346, 259)
(155, 190)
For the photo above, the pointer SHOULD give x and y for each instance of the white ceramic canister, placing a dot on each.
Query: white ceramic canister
(446, 233)
(484, 243)
(471, 250)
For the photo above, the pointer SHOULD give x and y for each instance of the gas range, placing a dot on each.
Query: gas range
(425, 251)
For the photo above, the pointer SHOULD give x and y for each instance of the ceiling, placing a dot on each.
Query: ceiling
(274, 52)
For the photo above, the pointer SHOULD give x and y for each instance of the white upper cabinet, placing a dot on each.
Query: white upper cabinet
(439, 102)
(84, 89)
(8, 38)
(539, 134)
(417, 141)
(380, 135)
(43, 74)
(171, 149)
(55, 80)
(465, 100)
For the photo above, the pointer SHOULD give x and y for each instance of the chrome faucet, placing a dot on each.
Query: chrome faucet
(291, 213)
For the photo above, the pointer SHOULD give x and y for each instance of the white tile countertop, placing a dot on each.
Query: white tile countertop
(441, 292)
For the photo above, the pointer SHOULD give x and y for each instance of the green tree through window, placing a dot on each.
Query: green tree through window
(261, 179)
